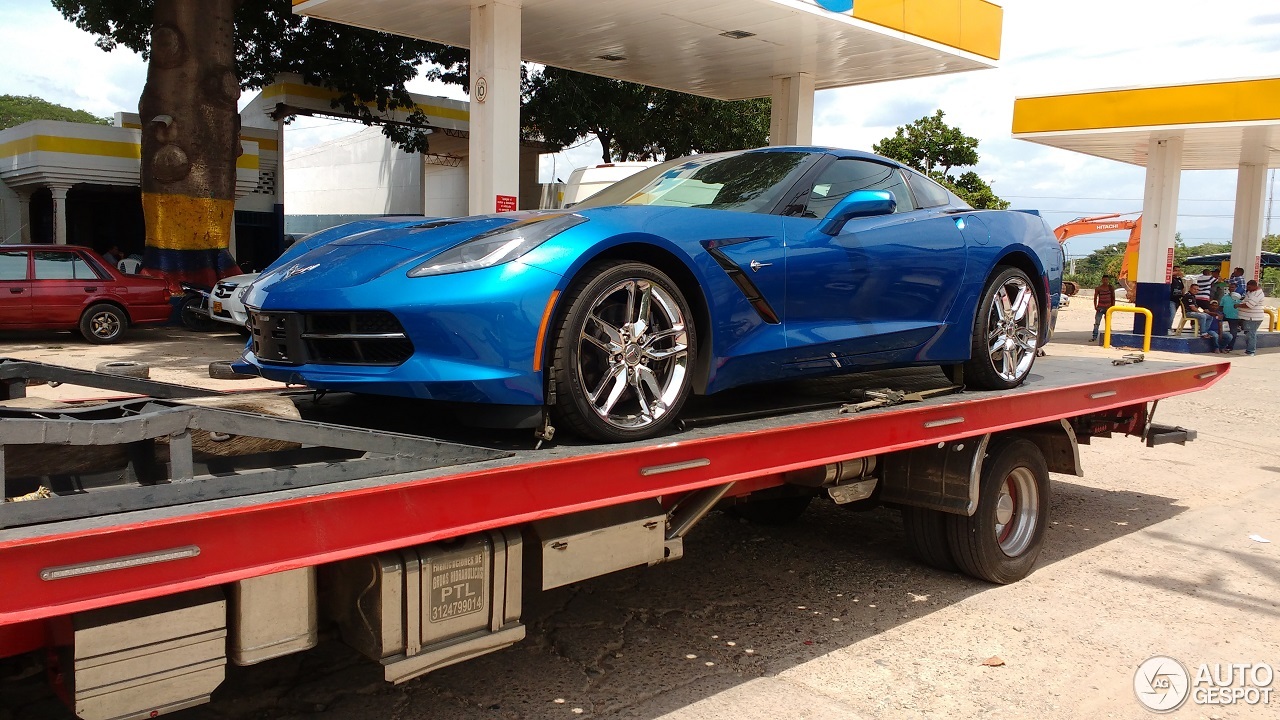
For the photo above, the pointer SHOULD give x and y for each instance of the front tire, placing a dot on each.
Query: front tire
(1006, 332)
(1001, 541)
(102, 324)
(624, 355)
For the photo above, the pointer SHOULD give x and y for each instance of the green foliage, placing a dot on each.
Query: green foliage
(929, 145)
(935, 148)
(17, 109)
(368, 68)
(636, 122)
(975, 191)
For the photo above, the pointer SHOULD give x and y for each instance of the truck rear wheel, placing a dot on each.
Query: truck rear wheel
(926, 532)
(1001, 541)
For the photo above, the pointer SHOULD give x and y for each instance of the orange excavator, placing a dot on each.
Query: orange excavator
(1110, 223)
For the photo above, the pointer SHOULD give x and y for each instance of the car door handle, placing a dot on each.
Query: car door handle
(90, 289)
(17, 291)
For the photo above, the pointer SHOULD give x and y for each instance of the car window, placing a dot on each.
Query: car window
(742, 182)
(928, 192)
(847, 175)
(13, 265)
(62, 266)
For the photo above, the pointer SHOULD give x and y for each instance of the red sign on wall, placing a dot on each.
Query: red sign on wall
(506, 203)
(1168, 267)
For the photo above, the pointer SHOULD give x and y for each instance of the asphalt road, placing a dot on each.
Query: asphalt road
(1149, 554)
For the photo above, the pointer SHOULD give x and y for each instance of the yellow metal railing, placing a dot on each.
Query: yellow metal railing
(1146, 335)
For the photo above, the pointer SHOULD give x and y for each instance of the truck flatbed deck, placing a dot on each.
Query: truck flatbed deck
(750, 438)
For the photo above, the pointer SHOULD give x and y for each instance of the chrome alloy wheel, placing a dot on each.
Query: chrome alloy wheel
(1017, 511)
(633, 353)
(1013, 329)
(104, 325)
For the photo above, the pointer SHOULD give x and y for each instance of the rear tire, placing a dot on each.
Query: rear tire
(1006, 332)
(193, 319)
(102, 324)
(1000, 542)
(926, 532)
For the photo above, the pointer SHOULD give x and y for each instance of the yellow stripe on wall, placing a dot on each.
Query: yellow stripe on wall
(971, 25)
(1220, 102)
(78, 146)
(87, 146)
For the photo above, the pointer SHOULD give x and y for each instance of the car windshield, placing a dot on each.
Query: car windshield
(742, 181)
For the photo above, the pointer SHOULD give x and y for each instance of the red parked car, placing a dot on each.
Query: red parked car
(65, 287)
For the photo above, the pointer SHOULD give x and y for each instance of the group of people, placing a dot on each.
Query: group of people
(1224, 309)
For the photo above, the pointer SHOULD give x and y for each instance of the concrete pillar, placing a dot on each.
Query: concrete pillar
(59, 193)
(1250, 210)
(1159, 223)
(493, 182)
(791, 115)
(24, 215)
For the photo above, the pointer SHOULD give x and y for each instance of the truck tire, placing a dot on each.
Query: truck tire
(773, 510)
(124, 368)
(926, 532)
(221, 370)
(1001, 540)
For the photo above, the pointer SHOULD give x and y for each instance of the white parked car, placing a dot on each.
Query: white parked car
(226, 302)
(587, 181)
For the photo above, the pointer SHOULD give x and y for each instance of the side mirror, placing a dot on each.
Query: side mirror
(863, 203)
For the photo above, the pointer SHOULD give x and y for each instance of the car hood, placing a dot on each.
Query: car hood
(366, 254)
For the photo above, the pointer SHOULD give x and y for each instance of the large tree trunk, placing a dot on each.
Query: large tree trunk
(190, 140)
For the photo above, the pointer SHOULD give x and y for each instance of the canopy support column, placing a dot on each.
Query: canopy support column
(791, 114)
(24, 215)
(1251, 190)
(493, 164)
(1159, 223)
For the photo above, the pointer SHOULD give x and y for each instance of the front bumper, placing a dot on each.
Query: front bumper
(468, 337)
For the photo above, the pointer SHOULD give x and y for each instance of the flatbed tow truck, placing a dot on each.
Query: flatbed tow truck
(141, 577)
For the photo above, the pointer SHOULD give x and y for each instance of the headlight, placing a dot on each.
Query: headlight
(497, 246)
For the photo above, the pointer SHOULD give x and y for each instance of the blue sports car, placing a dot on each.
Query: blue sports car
(699, 274)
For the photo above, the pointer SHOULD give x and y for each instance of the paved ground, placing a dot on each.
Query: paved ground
(1149, 554)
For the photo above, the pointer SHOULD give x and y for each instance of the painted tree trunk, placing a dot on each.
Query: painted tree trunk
(190, 140)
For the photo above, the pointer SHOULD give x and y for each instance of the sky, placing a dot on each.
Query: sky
(1048, 47)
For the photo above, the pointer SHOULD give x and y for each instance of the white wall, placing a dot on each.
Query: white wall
(359, 174)
(445, 190)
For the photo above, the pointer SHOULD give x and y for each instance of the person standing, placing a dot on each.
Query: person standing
(1104, 296)
(1236, 282)
(1250, 309)
(1231, 316)
(1176, 288)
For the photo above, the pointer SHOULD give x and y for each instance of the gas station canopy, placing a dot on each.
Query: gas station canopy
(725, 49)
(1222, 124)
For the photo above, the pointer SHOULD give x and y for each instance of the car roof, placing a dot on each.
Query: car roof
(838, 152)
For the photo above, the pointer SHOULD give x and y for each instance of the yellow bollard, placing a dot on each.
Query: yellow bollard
(1146, 336)
(1271, 313)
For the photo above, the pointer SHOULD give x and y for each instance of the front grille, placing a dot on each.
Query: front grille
(356, 338)
(224, 289)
